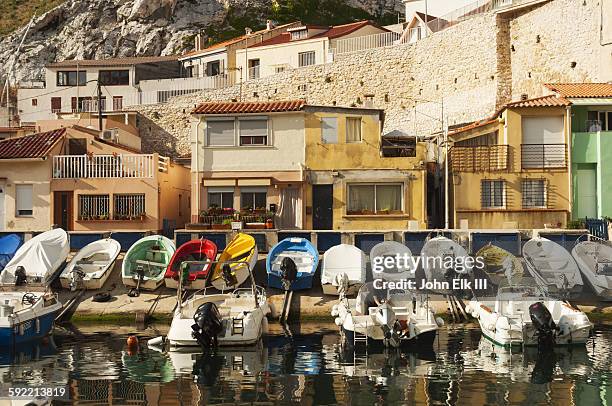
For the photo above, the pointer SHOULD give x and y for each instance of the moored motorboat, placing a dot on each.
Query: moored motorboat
(443, 260)
(594, 258)
(9, 244)
(291, 264)
(500, 266)
(25, 316)
(552, 267)
(145, 263)
(91, 266)
(235, 263)
(194, 257)
(401, 267)
(343, 262)
(38, 260)
(390, 317)
(524, 315)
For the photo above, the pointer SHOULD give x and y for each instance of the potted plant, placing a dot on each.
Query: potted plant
(269, 224)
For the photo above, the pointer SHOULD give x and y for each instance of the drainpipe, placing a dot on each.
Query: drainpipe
(197, 168)
(568, 124)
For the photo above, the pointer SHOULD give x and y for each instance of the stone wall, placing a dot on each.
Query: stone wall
(464, 72)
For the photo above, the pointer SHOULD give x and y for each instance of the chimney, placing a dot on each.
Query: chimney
(524, 96)
(369, 101)
(269, 25)
(198, 42)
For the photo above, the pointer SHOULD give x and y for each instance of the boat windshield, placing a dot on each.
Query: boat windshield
(369, 296)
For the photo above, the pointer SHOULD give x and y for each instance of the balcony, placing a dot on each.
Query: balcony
(485, 158)
(105, 166)
(543, 156)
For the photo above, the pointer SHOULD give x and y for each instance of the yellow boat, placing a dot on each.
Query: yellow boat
(500, 264)
(235, 263)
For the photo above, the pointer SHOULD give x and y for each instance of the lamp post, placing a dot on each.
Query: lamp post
(248, 31)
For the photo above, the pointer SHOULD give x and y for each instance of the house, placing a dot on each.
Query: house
(305, 166)
(591, 146)
(75, 178)
(12, 132)
(512, 170)
(302, 45)
(72, 86)
(219, 60)
(418, 27)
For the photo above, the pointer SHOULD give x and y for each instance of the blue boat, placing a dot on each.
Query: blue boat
(26, 316)
(8, 246)
(291, 264)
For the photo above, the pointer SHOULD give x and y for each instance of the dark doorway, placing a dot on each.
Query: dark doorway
(62, 210)
(322, 207)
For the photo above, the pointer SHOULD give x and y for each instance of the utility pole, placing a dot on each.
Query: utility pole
(99, 104)
(446, 205)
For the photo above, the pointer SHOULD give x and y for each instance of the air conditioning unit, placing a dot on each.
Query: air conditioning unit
(111, 134)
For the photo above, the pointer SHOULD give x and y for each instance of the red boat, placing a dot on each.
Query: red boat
(199, 254)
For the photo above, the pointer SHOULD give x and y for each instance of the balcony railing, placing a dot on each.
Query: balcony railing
(486, 158)
(537, 156)
(103, 166)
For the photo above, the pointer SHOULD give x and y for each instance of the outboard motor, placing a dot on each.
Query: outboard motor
(77, 278)
(20, 276)
(207, 325)
(135, 292)
(207, 368)
(228, 277)
(288, 272)
(544, 324)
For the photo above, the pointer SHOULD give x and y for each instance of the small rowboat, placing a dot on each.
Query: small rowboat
(291, 264)
(91, 266)
(145, 263)
(235, 262)
(344, 266)
(401, 269)
(196, 256)
(594, 259)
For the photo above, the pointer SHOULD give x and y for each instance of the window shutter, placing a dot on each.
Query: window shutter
(220, 133)
(23, 197)
(329, 130)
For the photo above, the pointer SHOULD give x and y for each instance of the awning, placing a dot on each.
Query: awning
(219, 182)
(254, 182)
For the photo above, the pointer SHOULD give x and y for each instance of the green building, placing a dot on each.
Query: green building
(591, 147)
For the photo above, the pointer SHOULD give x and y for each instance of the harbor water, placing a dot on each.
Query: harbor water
(307, 364)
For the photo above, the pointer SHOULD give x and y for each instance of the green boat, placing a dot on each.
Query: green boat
(145, 263)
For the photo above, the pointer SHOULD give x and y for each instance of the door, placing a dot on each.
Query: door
(2, 211)
(56, 104)
(322, 207)
(586, 191)
(63, 210)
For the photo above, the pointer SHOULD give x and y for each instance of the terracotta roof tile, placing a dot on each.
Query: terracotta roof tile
(31, 146)
(581, 90)
(544, 101)
(249, 107)
(471, 126)
(128, 61)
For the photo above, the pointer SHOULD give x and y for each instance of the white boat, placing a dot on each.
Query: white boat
(398, 267)
(552, 267)
(594, 258)
(442, 260)
(391, 317)
(523, 315)
(26, 316)
(38, 259)
(343, 262)
(91, 266)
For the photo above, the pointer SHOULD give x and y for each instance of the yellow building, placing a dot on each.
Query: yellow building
(512, 171)
(78, 179)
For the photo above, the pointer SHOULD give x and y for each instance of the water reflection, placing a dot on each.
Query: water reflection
(312, 367)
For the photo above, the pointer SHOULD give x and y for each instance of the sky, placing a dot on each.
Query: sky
(439, 7)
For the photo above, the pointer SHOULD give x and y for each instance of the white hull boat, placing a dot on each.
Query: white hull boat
(594, 259)
(392, 258)
(392, 318)
(552, 267)
(38, 259)
(91, 266)
(514, 318)
(343, 265)
(26, 316)
(439, 257)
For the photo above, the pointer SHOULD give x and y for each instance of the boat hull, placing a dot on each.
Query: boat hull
(301, 283)
(332, 290)
(27, 330)
(422, 340)
(90, 283)
(196, 284)
(147, 284)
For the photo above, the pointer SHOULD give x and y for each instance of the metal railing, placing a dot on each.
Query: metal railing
(593, 126)
(129, 206)
(535, 156)
(486, 158)
(94, 207)
(103, 166)
(366, 42)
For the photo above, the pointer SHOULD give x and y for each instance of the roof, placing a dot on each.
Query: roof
(544, 101)
(581, 90)
(471, 126)
(335, 31)
(249, 107)
(423, 15)
(129, 61)
(31, 146)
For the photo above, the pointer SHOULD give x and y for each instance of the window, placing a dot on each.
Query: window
(280, 68)
(34, 102)
(220, 132)
(114, 77)
(94, 207)
(56, 104)
(117, 103)
(129, 206)
(221, 197)
(353, 129)
(23, 200)
(69, 78)
(213, 68)
(493, 194)
(253, 198)
(253, 68)
(382, 198)
(299, 34)
(599, 121)
(306, 58)
(253, 131)
(77, 146)
(534, 193)
(329, 130)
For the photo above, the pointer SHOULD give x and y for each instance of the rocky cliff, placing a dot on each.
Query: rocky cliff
(86, 29)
